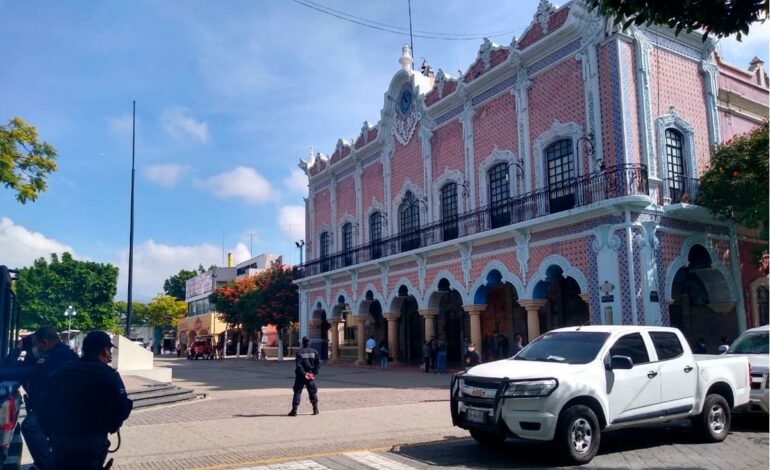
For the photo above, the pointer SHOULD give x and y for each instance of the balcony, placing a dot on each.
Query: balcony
(615, 182)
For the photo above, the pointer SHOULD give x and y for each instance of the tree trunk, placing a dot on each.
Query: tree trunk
(251, 345)
(280, 344)
(238, 346)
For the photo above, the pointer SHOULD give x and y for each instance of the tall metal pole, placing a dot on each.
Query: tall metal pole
(130, 308)
(411, 41)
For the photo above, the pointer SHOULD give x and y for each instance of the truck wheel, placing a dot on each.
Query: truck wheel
(578, 434)
(487, 438)
(713, 423)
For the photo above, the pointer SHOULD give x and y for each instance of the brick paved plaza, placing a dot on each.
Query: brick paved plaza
(395, 419)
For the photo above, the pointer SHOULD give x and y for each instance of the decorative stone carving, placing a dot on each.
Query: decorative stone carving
(485, 52)
(643, 49)
(421, 270)
(544, 10)
(604, 237)
(441, 79)
(522, 251)
(328, 289)
(384, 270)
(465, 262)
(365, 131)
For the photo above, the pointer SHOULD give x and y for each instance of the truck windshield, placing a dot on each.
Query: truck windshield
(568, 347)
(750, 343)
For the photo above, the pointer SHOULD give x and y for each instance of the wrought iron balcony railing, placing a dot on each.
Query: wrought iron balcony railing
(611, 183)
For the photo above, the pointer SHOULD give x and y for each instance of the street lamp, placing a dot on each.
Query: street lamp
(300, 244)
(69, 313)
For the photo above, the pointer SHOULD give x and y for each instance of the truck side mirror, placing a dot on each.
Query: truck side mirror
(621, 362)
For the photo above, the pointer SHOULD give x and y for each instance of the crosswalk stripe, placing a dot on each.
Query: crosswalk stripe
(296, 465)
(379, 462)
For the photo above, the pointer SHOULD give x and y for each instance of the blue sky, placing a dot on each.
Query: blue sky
(230, 94)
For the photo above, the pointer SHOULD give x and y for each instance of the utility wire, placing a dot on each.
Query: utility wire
(397, 29)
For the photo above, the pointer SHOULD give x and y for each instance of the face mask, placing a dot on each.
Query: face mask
(471, 349)
(36, 352)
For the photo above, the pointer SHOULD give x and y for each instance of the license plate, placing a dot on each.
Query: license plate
(475, 416)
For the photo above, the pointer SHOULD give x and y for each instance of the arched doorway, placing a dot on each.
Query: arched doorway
(702, 304)
(565, 306)
(502, 319)
(452, 324)
(410, 330)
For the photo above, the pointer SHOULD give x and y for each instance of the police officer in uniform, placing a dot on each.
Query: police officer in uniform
(308, 362)
(47, 355)
(87, 401)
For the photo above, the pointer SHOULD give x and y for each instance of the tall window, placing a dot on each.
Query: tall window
(347, 243)
(449, 211)
(409, 222)
(675, 164)
(499, 195)
(561, 173)
(325, 239)
(375, 235)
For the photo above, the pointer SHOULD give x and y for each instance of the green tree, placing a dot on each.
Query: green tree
(165, 310)
(736, 184)
(175, 285)
(25, 162)
(139, 316)
(46, 289)
(718, 17)
(275, 300)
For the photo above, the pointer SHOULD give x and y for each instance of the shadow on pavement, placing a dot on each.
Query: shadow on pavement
(518, 453)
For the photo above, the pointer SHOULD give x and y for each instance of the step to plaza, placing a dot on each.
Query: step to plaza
(144, 392)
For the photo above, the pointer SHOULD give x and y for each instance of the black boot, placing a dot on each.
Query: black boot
(315, 409)
(293, 411)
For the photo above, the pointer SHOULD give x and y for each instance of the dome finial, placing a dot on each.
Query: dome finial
(406, 58)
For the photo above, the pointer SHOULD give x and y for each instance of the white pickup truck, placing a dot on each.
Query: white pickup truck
(571, 384)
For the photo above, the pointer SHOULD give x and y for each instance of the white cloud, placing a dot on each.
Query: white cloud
(242, 182)
(121, 126)
(755, 44)
(296, 182)
(178, 123)
(156, 262)
(20, 247)
(166, 175)
(291, 219)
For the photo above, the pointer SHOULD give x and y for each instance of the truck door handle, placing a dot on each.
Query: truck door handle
(652, 374)
(688, 369)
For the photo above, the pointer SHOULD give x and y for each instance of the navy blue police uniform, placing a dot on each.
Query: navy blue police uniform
(307, 362)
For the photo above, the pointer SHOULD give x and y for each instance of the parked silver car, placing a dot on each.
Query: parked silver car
(753, 344)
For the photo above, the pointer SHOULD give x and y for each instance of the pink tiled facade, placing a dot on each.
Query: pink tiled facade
(613, 241)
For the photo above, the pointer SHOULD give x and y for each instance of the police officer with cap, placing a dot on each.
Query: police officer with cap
(307, 364)
(87, 401)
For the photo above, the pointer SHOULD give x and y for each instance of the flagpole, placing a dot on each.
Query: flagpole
(131, 229)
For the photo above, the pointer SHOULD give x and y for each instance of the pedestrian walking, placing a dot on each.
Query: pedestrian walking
(384, 355)
(441, 356)
(307, 363)
(426, 354)
(471, 358)
(85, 400)
(371, 343)
(433, 352)
(49, 354)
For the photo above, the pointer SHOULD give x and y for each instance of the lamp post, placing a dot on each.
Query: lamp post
(69, 313)
(300, 244)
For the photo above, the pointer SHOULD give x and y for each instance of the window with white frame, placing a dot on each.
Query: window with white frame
(560, 164)
(409, 222)
(675, 166)
(347, 243)
(325, 242)
(449, 211)
(499, 195)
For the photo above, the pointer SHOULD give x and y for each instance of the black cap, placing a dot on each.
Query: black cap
(95, 341)
(305, 341)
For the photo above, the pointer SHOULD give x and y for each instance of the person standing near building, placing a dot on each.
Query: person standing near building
(472, 358)
(441, 356)
(427, 352)
(49, 354)
(84, 402)
(371, 343)
(518, 344)
(307, 363)
(384, 355)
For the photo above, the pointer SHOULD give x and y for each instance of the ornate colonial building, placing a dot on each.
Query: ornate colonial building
(554, 183)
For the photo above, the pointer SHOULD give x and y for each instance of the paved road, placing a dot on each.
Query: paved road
(395, 419)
